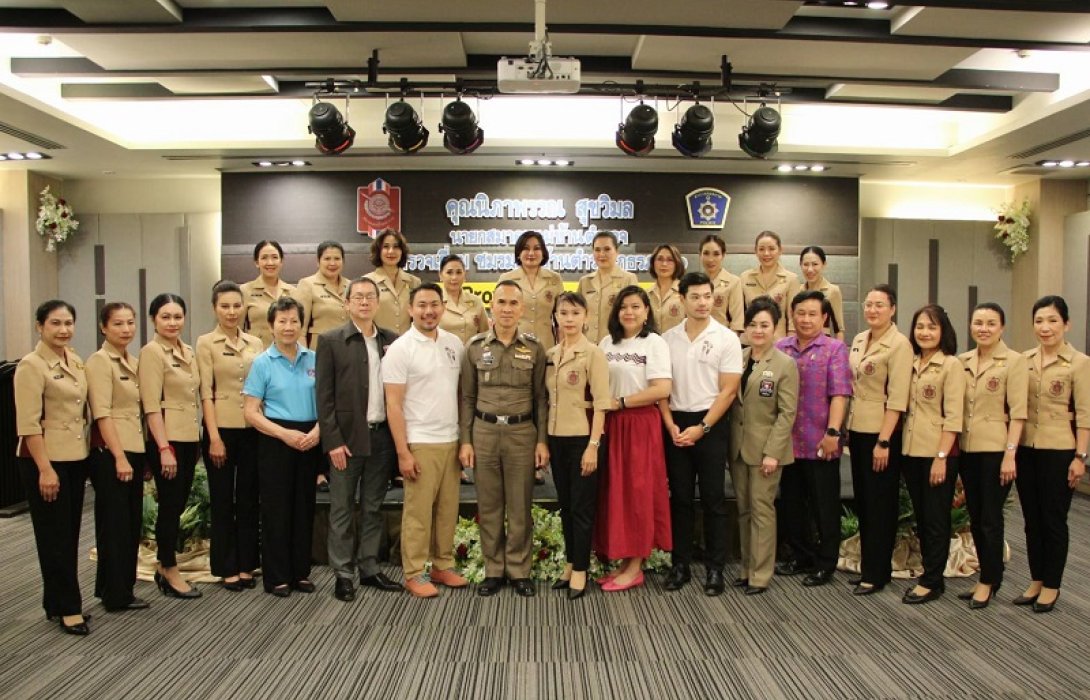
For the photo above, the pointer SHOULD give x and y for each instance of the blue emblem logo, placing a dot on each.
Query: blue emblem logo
(707, 208)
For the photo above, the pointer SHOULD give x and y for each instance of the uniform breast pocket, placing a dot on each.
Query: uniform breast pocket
(522, 368)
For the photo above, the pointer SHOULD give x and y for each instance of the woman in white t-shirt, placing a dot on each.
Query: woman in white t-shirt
(633, 499)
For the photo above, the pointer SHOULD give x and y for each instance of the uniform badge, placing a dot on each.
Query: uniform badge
(718, 301)
(675, 311)
(450, 355)
(548, 297)
(766, 388)
(1056, 388)
(378, 207)
(610, 299)
(778, 297)
(869, 368)
(929, 391)
(993, 384)
(310, 372)
(707, 208)
(58, 376)
(573, 377)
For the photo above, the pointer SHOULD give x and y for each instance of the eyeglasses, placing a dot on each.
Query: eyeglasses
(359, 298)
(879, 305)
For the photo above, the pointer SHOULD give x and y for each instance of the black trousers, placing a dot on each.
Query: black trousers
(877, 504)
(287, 487)
(931, 504)
(172, 495)
(577, 494)
(56, 533)
(985, 498)
(1045, 498)
(232, 490)
(119, 510)
(704, 463)
(809, 500)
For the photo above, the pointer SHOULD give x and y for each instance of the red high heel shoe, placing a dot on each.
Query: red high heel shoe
(612, 586)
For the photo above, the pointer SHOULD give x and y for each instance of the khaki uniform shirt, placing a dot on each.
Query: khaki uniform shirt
(393, 300)
(537, 301)
(935, 403)
(836, 300)
(669, 310)
(465, 318)
(995, 394)
(113, 390)
(170, 382)
(1059, 395)
(784, 287)
(323, 306)
(881, 375)
(51, 401)
(257, 299)
(506, 380)
(763, 413)
(223, 366)
(600, 299)
(578, 383)
(729, 306)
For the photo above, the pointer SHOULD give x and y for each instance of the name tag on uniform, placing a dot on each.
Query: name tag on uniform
(123, 378)
(766, 388)
(58, 376)
(227, 353)
(175, 364)
(527, 356)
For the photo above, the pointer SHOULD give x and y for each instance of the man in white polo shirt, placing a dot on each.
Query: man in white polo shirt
(706, 358)
(421, 371)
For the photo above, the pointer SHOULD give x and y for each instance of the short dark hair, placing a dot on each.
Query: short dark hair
(888, 291)
(224, 287)
(283, 304)
(574, 298)
(991, 306)
(361, 280)
(675, 254)
(262, 244)
(712, 238)
(108, 310)
(616, 330)
(162, 300)
(452, 257)
(426, 287)
(1053, 300)
(606, 234)
(48, 307)
(948, 337)
(510, 283)
(376, 247)
(693, 279)
(769, 234)
(815, 249)
(520, 245)
(807, 295)
(326, 245)
(763, 303)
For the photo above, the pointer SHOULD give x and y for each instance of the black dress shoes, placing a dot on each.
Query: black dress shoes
(171, 592)
(791, 567)
(490, 586)
(866, 588)
(714, 584)
(81, 629)
(818, 578)
(561, 584)
(281, 591)
(344, 590)
(966, 595)
(740, 582)
(1025, 600)
(380, 581)
(524, 587)
(248, 583)
(303, 586)
(755, 590)
(855, 580)
(679, 575)
(576, 593)
(1039, 607)
(912, 598)
(233, 586)
(134, 604)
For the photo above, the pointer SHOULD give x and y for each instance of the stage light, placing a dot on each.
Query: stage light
(332, 134)
(758, 137)
(636, 137)
(693, 134)
(407, 133)
(461, 134)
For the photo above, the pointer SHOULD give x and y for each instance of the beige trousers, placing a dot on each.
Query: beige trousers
(430, 511)
(756, 495)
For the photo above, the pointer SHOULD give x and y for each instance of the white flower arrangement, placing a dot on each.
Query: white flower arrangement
(1012, 229)
(56, 222)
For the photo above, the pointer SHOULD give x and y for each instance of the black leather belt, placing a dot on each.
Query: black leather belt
(375, 426)
(503, 420)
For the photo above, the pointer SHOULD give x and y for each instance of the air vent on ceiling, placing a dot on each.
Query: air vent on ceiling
(1055, 143)
(39, 141)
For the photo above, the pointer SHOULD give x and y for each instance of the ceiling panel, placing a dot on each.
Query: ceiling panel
(855, 91)
(788, 57)
(124, 11)
(514, 44)
(218, 85)
(995, 24)
(756, 14)
(266, 49)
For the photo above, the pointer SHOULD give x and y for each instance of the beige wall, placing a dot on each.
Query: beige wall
(943, 201)
(148, 196)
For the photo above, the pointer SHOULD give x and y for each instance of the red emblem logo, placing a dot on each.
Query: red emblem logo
(778, 298)
(993, 384)
(1056, 388)
(611, 298)
(869, 368)
(719, 301)
(675, 311)
(929, 391)
(378, 207)
(548, 297)
(573, 377)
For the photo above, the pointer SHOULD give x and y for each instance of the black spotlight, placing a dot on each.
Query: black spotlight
(407, 133)
(636, 136)
(461, 134)
(758, 137)
(693, 134)
(332, 134)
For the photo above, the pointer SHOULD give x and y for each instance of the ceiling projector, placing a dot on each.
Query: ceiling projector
(531, 75)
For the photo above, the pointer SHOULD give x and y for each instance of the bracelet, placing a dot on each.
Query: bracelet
(596, 443)
(620, 400)
(170, 449)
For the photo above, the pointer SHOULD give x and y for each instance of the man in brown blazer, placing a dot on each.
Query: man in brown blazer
(352, 416)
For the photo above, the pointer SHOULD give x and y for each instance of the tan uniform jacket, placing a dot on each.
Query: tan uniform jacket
(578, 383)
(763, 414)
(466, 318)
(600, 299)
(836, 300)
(113, 390)
(995, 394)
(323, 306)
(783, 289)
(223, 366)
(669, 311)
(51, 401)
(936, 398)
(393, 300)
(537, 301)
(729, 306)
(881, 375)
(170, 382)
(1058, 400)
(506, 380)
(257, 299)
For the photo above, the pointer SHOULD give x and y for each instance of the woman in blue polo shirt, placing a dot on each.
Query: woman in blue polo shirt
(280, 403)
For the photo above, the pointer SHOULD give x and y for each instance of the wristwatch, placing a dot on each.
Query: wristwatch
(596, 443)
(1083, 456)
(832, 432)
(940, 455)
(884, 444)
(705, 427)
(1011, 447)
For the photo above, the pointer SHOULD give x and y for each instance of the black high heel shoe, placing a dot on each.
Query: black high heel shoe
(576, 593)
(975, 604)
(79, 629)
(1039, 607)
(171, 592)
(561, 584)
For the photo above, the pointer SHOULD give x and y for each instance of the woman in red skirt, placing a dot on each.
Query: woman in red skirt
(633, 500)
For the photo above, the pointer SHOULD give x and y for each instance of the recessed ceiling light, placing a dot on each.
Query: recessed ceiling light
(15, 156)
(1082, 164)
(1067, 163)
(785, 168)
(299, 163)
(877, 5)
(264, 163)
(802, 167)
(817, 168)
(3, 157)
(526, 161)
(1047, 163)
(562, 162)
(544, 162)
(33, 155)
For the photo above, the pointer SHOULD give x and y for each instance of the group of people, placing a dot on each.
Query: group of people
(633, 399)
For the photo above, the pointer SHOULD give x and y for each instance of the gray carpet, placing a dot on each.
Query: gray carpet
(791, 642)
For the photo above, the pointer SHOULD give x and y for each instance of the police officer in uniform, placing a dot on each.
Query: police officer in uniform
(504, 435)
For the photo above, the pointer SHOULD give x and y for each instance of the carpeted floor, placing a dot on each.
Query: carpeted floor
(791, 642)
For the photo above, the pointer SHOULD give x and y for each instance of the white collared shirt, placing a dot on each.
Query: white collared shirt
(376, 399)
(697, 364)
(430, 370)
